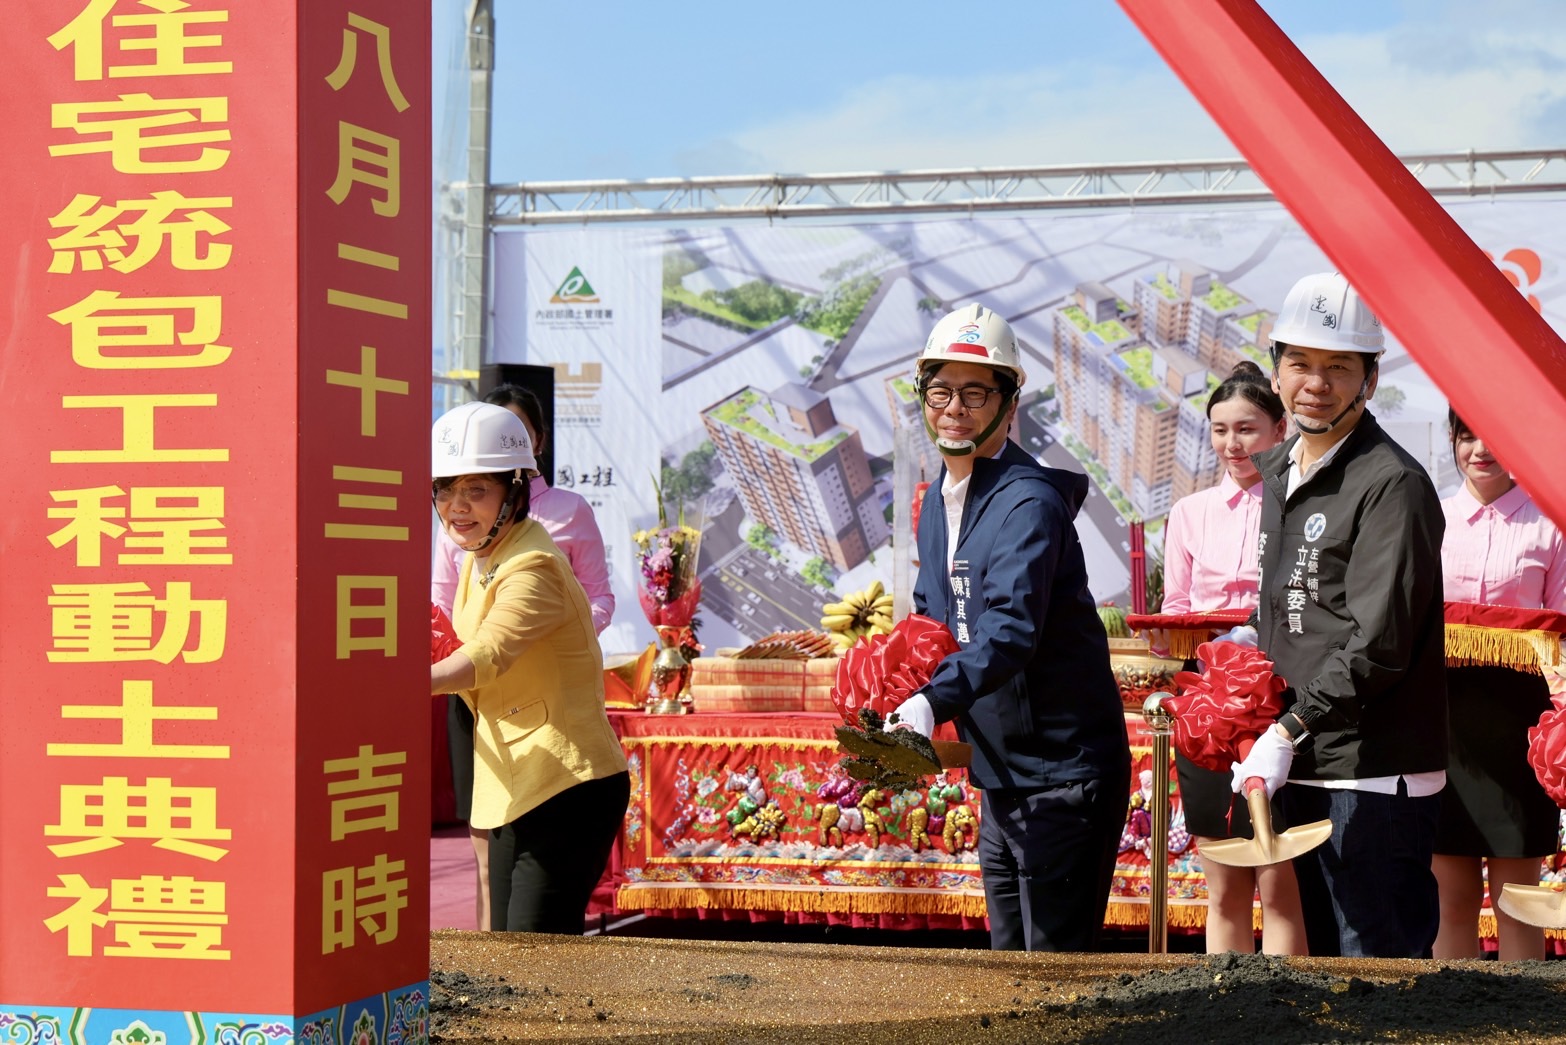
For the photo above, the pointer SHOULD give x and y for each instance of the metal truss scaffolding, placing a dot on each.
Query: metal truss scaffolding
(976, 190)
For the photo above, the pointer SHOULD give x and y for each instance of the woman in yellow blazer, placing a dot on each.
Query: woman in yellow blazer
(549, 781)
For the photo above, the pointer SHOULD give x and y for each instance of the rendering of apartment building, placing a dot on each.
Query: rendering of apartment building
(1134, 379)
(908, 412)
(799, 472)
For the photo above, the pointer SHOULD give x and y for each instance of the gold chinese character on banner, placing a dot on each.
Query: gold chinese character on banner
(382, 613)
(137, 442)
(368, 158)
(136, 714)
(339, 77)
(153, 917)
(370, 384)
(372, 802)
(101, 623)
(164, 525)
(110, 332)
(137, 125)
(367, 502)
(102, 816)
(369, 896)
(170, 22)
(94, 233)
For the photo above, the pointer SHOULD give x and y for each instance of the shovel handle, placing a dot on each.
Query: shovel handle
(1253, 783)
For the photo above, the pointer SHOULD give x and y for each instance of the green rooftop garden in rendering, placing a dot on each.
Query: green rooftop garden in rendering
(1137, 364)
(904, 389)
(736, 412)
(1221, 297)
(1108, 332)
(1161, 284)
(1252, 322)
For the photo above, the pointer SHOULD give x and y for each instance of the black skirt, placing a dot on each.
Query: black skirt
(1207, 801)
(1492, 804)
(459, 742)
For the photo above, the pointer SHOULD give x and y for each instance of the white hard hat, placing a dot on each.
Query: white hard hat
(1323, 311)
(973, 334)
(479, 437)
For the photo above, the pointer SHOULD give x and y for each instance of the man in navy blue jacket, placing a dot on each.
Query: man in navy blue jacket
(1030, 689)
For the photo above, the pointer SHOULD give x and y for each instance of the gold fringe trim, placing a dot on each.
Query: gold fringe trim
(1124, 914)
(1487, 928)
(1472, 644)
(641, 897)
(1182, 644)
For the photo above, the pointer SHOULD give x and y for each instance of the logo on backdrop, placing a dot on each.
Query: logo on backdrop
(574, 290)
(576, 394)
(565, 309)
(1522, 268)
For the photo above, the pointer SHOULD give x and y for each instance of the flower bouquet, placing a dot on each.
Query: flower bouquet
(669, 594)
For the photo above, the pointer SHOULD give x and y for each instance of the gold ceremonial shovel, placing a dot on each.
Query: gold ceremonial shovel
(1267, 847)
(1536, 905)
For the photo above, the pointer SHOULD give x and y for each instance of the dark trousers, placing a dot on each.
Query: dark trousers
(544, 865)
(1368, 891)
(1048, 858)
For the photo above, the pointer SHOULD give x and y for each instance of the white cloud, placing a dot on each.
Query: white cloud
(1460, 76)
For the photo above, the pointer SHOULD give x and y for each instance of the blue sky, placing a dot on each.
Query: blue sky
(690, 87)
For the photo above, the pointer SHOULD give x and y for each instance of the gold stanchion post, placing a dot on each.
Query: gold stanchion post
(1160, 725)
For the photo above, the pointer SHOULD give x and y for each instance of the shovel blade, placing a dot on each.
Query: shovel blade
(1535, 905)
(1286, 845)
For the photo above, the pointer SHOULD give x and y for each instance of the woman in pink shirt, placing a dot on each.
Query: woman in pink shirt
(1210, 545)
(1499, 550)
(568, 519)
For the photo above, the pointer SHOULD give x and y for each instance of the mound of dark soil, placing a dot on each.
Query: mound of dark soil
(508, 987)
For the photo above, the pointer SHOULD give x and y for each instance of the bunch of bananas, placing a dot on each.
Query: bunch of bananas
(867, 612)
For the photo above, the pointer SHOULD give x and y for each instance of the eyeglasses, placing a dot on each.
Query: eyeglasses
(469, 491)
(939, 397)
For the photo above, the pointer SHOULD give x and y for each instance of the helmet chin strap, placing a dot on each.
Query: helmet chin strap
(1309, 428)
(964, 447)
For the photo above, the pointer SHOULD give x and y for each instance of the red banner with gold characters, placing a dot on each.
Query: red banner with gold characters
(215, 400)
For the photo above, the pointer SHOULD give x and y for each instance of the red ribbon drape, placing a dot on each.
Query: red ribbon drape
(882, 671)
(1231, 702)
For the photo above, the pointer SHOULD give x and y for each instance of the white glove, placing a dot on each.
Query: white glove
(914, 713)
(1270, 758)
(1240, 635)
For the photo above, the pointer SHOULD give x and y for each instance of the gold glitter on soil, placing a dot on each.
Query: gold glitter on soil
(508, 987)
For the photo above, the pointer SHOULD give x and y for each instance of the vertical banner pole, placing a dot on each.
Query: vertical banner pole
(1160, 725)
(1138, 567)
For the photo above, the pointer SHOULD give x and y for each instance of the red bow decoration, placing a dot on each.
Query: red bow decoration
(1547, 753)
(1230, 703)
(882, 671)
(443, 637)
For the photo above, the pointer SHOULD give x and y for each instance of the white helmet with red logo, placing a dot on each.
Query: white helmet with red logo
(973, 334)
(1323, 311)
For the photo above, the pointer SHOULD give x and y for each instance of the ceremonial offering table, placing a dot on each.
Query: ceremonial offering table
(748, 816)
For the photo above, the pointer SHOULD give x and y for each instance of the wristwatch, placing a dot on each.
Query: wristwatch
(1291, 724)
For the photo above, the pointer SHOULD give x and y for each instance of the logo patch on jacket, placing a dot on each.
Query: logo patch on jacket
(1315, 526)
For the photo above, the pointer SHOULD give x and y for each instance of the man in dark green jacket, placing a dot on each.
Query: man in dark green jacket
(1351, 615)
